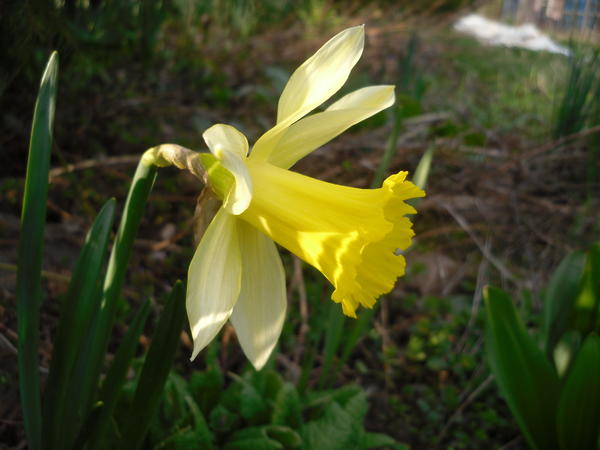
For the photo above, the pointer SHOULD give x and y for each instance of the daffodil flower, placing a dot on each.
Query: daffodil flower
(353, 236)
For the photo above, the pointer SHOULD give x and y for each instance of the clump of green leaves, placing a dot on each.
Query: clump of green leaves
(579, 105)
(75, 411)
(553, 395)
(255, 411)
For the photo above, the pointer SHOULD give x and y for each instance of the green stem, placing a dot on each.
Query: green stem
(141, 185)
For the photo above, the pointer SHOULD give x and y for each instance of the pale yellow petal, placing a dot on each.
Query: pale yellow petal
(226, 137)
(312, 132)
(314, 82)
(259, 313)
(231, 147)
(214, 280)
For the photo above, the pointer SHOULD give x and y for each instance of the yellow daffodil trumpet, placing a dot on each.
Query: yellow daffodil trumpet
(353, 236)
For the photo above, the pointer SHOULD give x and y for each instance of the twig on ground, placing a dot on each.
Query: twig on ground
(91, 163)
(477, 295)
(493, 260)
(464, 405)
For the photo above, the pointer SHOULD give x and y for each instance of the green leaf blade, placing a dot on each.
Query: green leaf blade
(155, 370)
(588, 301)
(561, 296)
(578, 417)
(111, 387)
(76, 315)
(525, 377)
(29, 290)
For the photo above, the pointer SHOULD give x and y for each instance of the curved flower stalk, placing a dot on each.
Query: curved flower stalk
(353, 236)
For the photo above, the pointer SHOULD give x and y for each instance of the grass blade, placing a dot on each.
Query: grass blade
(111, 388)
(33, 217)
(578, 418)
(75, 318)
(422, 170)
(155, 370)
(358, 330)
(525, 377)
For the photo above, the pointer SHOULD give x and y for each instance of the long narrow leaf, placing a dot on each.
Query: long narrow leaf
(525, 377)
(90, 364)
(33, 217)
(357, 331)
(333, 338)
(155, 370)
(75, 318)
(114, 380)
(578, 418)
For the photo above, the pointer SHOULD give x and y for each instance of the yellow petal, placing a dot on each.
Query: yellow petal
(259, 313)
(351, 235)
(310, 133)
(214, 280)
(230, 147)
(315, 81)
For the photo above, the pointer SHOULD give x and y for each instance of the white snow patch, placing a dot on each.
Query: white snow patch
(497, 33)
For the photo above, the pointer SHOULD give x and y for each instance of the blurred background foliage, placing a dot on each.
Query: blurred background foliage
(513, 148)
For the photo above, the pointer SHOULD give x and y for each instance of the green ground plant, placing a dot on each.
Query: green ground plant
(74, 410)
(255, 410)
(554, 394)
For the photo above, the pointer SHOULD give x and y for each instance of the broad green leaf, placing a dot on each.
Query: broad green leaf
(202, 434)
(271, 384)
(251, 404)
(272, 436)
(206, 388)
(565, 351)
(111, 387)
(183, 439)
(222, 420)
(357, 406)
(29, 272)
(588, 300)
(335, 430)
(340, 395)
(76, 314)
(155, 370)
(287, 409)
(377, 440)
(259, 443)
(525, 377)
(560, 298)
(288, 438)
(578, 418)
